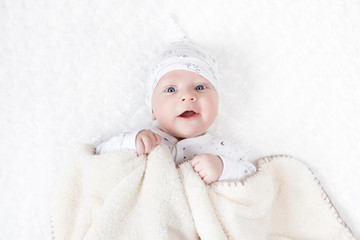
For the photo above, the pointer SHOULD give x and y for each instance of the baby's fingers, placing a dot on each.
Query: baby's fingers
(207, 179)
(195, 161)
(202, 173)
(148, 144)
(197, 168)
(140, 148)
(157, 138)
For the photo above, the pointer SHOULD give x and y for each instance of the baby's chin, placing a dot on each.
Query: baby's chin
(184, 132)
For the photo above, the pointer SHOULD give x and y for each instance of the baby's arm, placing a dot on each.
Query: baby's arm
(143, 141)
(116, 143)
(236, 167)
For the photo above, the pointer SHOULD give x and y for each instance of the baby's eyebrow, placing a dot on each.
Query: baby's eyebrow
(167, 81)
(168, 85)
(204, 83)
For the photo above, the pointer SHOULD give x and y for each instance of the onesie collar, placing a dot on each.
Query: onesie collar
(186, 141)
(165, 135)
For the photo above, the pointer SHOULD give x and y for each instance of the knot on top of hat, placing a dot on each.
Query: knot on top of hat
(179, 31)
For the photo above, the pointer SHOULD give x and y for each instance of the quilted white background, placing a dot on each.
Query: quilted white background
(72, 72)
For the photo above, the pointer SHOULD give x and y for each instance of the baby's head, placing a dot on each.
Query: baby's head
(183, 90)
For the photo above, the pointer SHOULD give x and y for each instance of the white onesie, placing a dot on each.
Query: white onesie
(236, 167)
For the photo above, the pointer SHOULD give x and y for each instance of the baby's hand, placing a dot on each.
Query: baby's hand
(209, 167)
(146, 141)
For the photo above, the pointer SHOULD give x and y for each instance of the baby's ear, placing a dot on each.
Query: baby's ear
(153, 115)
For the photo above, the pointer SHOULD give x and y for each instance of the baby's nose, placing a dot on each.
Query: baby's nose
(188, 98)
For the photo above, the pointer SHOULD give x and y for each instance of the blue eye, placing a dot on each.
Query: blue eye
(170, 89)
(200, 87)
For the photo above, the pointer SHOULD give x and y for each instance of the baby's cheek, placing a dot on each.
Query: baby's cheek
(211, 110)
(163, 109)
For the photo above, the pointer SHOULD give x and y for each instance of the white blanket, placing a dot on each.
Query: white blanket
(122, 196)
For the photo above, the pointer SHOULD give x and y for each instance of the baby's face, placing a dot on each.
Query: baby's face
(185, 104)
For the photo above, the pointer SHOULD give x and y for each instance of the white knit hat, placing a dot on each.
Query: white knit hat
(183, 55)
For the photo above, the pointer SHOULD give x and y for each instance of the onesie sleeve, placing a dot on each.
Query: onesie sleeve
(116, 143)
(235, 170)
(236, 166)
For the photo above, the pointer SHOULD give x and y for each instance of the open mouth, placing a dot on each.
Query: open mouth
(188, 114)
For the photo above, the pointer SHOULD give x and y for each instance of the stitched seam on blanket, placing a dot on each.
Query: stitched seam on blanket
(263, 161)
(332, 208)
(325, 196)
(52, 228)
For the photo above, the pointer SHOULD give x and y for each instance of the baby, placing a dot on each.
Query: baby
(183, 97)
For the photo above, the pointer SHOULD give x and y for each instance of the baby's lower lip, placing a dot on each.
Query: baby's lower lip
(191, 117)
